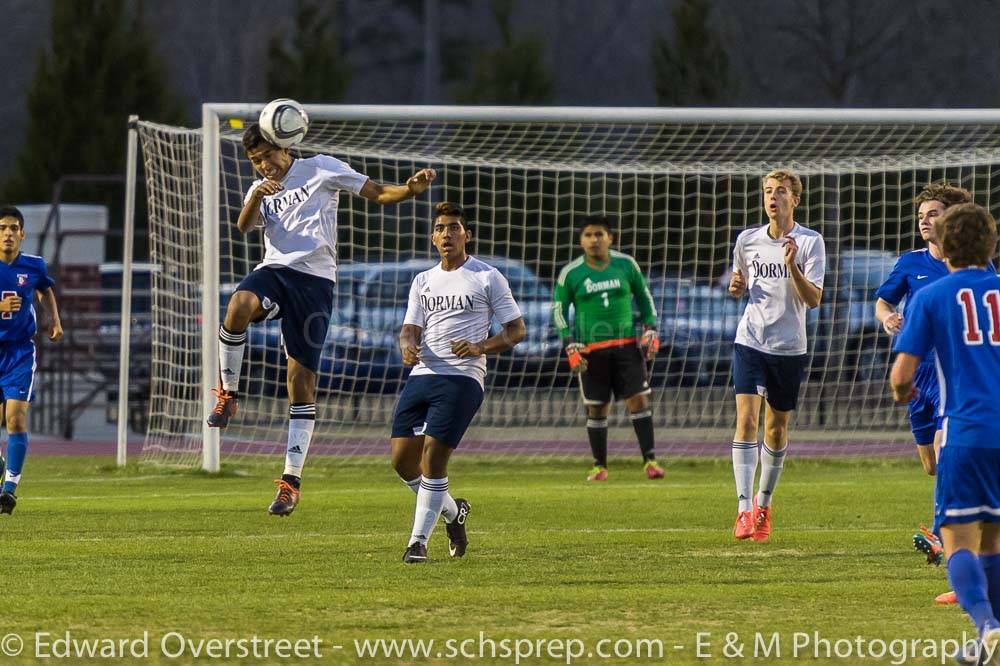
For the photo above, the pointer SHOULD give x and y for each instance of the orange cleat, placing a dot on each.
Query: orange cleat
(946, 599)
(743, 529)
(926, 542)
(761, 523)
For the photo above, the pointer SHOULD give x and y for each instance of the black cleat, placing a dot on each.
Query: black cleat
(225, 408)
(415, 554)
(7, 502)
(456, 529)
(285, 501)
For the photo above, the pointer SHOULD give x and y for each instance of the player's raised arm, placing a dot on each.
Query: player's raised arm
(808, 292)
(389, 194)
(250, 215)
(49, 301)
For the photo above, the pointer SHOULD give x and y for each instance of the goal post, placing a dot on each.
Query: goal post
(679, 183)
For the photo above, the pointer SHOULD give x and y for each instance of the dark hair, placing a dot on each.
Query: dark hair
(595, 221)
(968, 235)
(944, 193)
(450, 209)
(253, 137)
(7, 210)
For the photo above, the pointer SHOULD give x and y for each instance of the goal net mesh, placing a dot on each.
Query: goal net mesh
(678, 194)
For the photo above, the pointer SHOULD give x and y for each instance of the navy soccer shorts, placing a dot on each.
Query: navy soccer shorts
(968, 486)
(304, 304)
(776, 378)
(441, 406)
(923, 411)
(17, 370)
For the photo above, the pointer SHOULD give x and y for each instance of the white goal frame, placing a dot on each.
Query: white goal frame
(213, 113)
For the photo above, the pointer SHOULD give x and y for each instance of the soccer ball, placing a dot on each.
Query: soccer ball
(284, 122)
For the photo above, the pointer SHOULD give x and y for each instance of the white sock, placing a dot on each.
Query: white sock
(231, 346)
(301, 421)
(744, 469)
(771, 463)
(449, 510)
(430, 498)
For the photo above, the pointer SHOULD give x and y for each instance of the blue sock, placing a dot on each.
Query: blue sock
(17, 449)
(991, 567)
(965, 572)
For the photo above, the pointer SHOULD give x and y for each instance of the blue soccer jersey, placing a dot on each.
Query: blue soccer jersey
(25, 275)
(959, 317)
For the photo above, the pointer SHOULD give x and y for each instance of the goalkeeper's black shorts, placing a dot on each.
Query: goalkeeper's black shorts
(619, 370)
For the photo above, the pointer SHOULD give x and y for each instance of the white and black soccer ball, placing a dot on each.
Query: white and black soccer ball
(284, 122)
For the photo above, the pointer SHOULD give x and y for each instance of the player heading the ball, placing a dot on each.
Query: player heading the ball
(295, 203)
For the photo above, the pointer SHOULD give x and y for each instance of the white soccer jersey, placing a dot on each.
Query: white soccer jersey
(300, 222)
(457, 305)
(774, 321)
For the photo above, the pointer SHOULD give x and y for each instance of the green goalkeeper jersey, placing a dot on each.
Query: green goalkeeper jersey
(602, 300)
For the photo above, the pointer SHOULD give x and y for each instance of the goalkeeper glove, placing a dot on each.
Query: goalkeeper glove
(574, 352)
(650, 342)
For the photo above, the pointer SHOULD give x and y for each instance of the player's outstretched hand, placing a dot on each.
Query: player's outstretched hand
(411, 355)
(10, 304)
(57, 332)
(737, 284)
(420, 181)
(466, 349)
(893, 324)
(791, 250)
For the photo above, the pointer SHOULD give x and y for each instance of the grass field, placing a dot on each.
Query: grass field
(109, 554)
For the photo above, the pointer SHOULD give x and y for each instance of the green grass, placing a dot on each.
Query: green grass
(104, 553)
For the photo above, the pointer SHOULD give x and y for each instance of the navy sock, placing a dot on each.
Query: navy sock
(965, 572)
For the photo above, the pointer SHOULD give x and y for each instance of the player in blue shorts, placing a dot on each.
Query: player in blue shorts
(958, 317)
(912, 272)
(21, 275)
(446, 336)
(295, 203)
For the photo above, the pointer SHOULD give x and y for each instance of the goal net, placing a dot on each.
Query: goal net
(679, 186)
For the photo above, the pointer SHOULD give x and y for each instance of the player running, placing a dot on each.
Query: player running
(445, 335)
(781, 266)
(958, 318)
(912, 272)
(21, 275)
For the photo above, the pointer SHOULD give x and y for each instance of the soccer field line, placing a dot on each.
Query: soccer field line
(608, 485)
(131, 536)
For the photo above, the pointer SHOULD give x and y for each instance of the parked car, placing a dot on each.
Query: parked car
(855, 346)
(697, 323)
